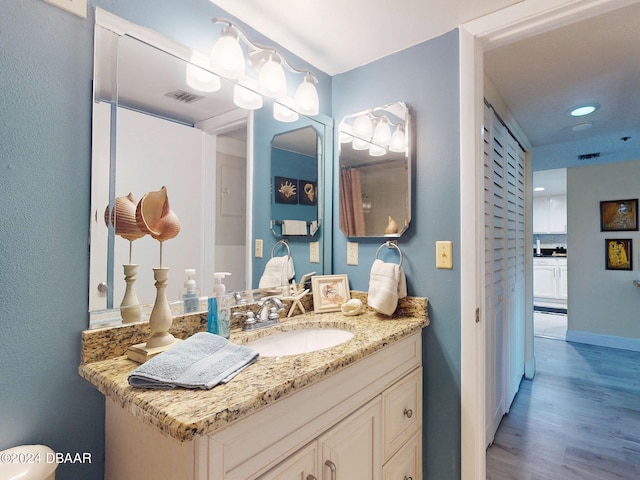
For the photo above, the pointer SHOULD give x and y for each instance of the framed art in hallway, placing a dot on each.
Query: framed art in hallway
(619, 215)
(618, 253)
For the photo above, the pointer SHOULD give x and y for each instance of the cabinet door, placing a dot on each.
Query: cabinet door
(407, 463)
(402, 412)
(544, 281)
(558, 214)
(351, 449)
(299, 466)
(562, 281)
(540, 215)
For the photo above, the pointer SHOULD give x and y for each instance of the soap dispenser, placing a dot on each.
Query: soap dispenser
(190, 299)
(219, 316)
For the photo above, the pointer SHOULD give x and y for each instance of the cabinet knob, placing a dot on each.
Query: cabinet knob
(408, 412)
(311, 477)
(332, 467)
(408, 478)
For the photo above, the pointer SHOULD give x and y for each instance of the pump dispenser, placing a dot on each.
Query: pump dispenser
(219, 316)
(190, 300)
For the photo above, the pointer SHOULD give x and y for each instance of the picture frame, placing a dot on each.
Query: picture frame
(618, 253)
(285, 190)
(619, 215)
(308, 192)
(329, 292)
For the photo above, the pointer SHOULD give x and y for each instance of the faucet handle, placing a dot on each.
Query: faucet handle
(273, 313)
(249, 321)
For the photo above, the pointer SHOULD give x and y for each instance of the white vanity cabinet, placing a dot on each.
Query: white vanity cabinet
(363, 422)
(550, 281)
(550, 214)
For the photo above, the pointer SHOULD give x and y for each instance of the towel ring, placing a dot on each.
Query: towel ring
(281, 242)
(390, 244)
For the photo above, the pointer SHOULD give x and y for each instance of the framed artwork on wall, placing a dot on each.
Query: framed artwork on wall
(618, 254)
(329, 292)
(285, 190)
(619, 215)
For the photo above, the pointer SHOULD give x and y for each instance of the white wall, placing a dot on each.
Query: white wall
(601, 302)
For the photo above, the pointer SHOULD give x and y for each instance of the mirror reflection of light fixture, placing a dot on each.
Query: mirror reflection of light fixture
(376, 150)
(200, 79)
(283, 113)
(382, 133)
(362, 127)
(228, 60)
(398, 141)
(245, 98)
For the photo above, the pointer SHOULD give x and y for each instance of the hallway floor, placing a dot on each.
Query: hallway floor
(578, 419)
(550, 325)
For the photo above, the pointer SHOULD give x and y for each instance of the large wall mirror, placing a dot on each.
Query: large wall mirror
(375, 172)
(155, 125)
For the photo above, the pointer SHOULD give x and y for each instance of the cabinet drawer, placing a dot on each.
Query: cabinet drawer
(407, 463)
(402, 409)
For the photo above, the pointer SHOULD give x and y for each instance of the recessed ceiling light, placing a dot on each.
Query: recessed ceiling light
(538, 189)
(583, 110)
(580, 127)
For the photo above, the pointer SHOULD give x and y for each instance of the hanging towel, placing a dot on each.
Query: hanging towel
(294, 227)
(387, 284)
(278, 271)
(201, 361)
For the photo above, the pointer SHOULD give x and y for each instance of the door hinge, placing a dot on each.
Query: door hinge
(478, 315)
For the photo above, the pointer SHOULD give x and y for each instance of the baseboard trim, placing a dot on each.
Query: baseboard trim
(622, 343)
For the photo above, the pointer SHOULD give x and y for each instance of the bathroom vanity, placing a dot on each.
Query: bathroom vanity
(350, 411)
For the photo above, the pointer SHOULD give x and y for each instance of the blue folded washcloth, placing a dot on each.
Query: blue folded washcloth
(201, 361)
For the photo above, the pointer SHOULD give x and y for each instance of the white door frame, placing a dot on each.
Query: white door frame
(520, 21)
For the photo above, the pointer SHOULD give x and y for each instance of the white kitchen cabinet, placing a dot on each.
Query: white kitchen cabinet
(366, 419)
(550, 214)
(550, 281)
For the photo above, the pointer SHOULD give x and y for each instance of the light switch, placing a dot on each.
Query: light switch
(258, 249)
(314, 252)
(352, 253)
(443, 254)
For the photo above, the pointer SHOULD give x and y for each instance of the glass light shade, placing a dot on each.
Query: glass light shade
(346, 133)
(398, 142)
(245, 98)
(226, 55)
(306, 97)
(284, 114)
(272, 79)
(362, 127)
(200, 79)
(382, 133)
(360, 144)
(376, 150)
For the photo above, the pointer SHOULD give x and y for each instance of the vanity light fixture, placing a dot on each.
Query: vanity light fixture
(228, 60)
(200, 79)
(283, 113)
(246, 98)
(397, 143)
(382, 132)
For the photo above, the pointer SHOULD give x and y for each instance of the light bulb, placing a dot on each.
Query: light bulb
(362, 127)
(245, 98)
(226, 55)
(398, 141)
(382, 133)
(306, 97)
(272, 79)
(284, 114)
(200, 79)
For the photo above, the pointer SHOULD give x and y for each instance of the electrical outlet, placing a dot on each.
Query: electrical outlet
(314, 252)
(352, 253)
(258, 249)
(443, 254)
(77, 7)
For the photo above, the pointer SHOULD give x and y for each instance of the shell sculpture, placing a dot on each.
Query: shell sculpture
(154, 216)
(123, 218)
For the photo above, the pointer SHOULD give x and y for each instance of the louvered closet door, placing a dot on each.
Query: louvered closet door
(504, 269)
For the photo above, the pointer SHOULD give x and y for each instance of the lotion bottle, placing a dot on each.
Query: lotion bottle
(190, 300)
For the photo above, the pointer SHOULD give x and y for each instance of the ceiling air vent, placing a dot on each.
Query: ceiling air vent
(183, 97)
(588, 156)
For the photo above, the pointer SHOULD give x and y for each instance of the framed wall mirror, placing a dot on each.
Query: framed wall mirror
(375, 172)
(157, 124)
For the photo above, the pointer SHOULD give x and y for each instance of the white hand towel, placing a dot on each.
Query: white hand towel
(294, 227)
(203, 360)
(387, 284)
(278, 271)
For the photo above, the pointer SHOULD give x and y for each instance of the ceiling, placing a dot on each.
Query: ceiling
(540, 78)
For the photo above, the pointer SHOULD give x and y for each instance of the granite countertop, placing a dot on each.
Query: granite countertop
(185, 414)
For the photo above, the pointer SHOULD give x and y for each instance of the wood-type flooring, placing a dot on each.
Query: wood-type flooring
(578, 419)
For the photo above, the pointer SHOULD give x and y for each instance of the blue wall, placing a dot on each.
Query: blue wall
(46, 64)
(426, 77)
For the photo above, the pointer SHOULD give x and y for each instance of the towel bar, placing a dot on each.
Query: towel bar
(390, 244)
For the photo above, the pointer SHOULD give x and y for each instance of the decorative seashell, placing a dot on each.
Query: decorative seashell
(352, 307)
(154, 216)
(392, 227)
(123, 218)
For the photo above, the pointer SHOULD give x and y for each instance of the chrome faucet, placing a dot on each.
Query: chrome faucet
(268, 312)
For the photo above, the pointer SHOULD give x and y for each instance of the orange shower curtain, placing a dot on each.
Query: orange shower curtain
(352, 221)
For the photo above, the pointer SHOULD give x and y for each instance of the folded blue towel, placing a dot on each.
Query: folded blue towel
(201, 361)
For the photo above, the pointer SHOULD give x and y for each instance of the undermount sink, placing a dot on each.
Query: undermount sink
(295, 342)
